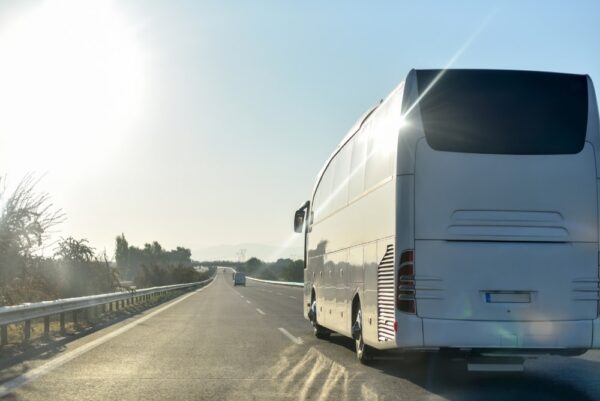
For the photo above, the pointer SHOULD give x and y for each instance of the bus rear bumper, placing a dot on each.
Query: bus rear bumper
(505, 334)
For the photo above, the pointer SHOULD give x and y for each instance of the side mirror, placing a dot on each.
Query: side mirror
(299, 220)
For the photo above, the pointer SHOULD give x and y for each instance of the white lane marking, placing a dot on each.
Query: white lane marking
(241, 296)
(248, 301)
(293, 297)
(261, 312)
(57, 362)
(295, 340)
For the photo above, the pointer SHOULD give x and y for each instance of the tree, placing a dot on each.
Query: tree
(254, 264)
(122, 252)
(294, 271)
(26, 216)
(74, 250)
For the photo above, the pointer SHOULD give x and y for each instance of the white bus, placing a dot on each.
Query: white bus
(461, 213)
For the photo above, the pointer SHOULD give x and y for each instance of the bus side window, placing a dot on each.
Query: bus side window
(382, 142)
(339, 190)
(323, 194)
(356, 184)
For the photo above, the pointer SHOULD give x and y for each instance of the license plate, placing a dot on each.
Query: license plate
(507, 297)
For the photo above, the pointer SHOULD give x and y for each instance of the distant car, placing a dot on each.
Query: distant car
(239, 279)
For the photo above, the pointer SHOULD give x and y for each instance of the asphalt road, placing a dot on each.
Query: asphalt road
(252, 343)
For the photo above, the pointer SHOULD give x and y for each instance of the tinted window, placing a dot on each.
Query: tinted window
(510, 112)
(383, 140)
(321, 201)
(339, 189)
(357, 167)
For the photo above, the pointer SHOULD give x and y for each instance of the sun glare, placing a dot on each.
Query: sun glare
(72, 80)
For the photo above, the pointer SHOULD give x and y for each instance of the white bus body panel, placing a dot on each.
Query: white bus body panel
(510, 223)
(551, 334)
(350, 237)
(518, 224)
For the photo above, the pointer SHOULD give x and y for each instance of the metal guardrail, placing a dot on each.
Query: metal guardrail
(27, 312)
(285, 283)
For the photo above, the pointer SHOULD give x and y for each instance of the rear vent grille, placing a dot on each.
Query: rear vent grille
(385, 296)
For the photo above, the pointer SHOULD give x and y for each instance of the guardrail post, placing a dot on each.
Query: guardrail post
(110, 306)
(3, 335)
(47, 326)
(74, 318)
(27, 331)
(62, 323)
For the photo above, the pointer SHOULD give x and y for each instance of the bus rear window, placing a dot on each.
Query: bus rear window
(503, 112)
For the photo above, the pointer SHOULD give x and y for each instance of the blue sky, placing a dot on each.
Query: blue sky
(242, 101)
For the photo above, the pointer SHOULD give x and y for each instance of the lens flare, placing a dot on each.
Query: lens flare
(293, 241)
(454, 57)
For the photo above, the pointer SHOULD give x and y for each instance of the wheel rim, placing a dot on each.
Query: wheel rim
(314, 322)
(360, 345)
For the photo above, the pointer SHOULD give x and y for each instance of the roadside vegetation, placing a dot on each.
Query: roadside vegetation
(153, 265)
(34, 268)
(281, 270)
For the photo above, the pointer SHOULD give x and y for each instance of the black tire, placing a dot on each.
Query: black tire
(364, 353)
(319, 331)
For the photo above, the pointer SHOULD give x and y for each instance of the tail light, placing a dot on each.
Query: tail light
(405, 295)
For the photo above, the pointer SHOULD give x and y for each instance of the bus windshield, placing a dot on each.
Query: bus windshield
(503, 112)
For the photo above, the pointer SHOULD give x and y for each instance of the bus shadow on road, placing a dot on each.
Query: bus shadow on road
(545, 378)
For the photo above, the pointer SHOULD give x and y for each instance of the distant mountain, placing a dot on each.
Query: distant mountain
(264, 252)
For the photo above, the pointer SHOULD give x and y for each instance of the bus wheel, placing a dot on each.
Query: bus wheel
(319, 331)
(364, 353)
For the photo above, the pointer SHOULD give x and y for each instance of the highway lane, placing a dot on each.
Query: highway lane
(225, 343)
